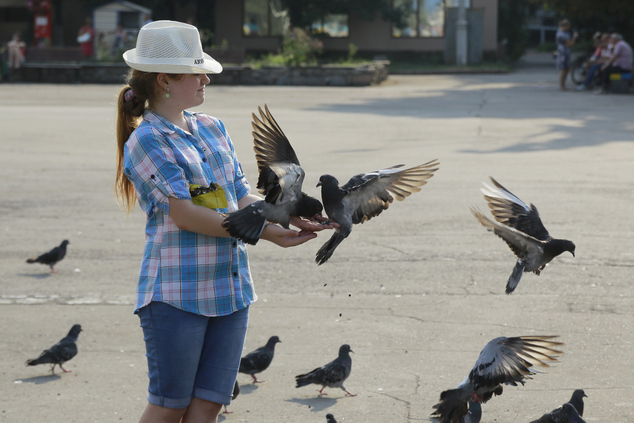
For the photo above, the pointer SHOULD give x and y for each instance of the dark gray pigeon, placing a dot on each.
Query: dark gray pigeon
(577, 400)
(59, 353)
(330, 418)
(365, 196)
(234, 395)
(52, 257)
(280, 181)
(503, 360)
(564, 414)
(259, 360)
(332, 375)
(521, 228)
(474, 414)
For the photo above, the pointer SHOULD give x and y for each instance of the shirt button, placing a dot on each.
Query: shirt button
(234, 244)
(153, 176)
(205, 159)
(235, 274)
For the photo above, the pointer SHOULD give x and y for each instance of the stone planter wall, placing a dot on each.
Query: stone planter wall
(114, 73)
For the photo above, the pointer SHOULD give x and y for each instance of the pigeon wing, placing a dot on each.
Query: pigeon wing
(509, 210)
(271, 147)
(520, 243)
(368, 194)
(512, 360)
(256, 361)
(290, 178)
(335, 372)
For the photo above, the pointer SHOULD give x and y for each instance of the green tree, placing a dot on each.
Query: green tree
(512, 29)
(303, 13)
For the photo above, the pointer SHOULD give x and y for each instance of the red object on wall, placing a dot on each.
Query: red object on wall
(42, 21)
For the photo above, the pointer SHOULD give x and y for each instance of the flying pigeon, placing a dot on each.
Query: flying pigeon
(52, 257)
(330, 418)
(280, 181)
(502, 361)
(474, 415)
(331, 375)
(365, 196)
(521, 228)
(565, 414)
(259, 360)
(59, 353)
(234, 395)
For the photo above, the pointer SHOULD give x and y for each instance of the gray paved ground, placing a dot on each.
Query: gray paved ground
(416, 292)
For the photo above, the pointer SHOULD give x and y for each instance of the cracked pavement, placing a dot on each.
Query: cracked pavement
(417, 292)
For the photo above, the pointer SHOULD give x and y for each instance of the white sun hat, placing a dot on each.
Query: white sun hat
(170, 47)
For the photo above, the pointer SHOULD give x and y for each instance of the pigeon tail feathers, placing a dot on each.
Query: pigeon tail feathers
(246, 224)
(326, 250)
(515, 277)
(452, 406)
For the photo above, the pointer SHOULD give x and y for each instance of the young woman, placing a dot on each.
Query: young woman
(195, 286)
(564, 42)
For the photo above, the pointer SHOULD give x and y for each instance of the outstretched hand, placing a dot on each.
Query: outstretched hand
(315, 224)
(286, 237)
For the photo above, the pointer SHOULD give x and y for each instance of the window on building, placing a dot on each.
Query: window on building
(425, 18)
(331, 26)
(264, 18)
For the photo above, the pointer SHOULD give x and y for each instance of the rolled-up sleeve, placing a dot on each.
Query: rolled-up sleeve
(150, 165)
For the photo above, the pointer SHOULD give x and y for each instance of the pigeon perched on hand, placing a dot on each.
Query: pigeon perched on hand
(259, 360)
(52, 257)
(565, 414)
(332, 375)
(59, 353)
(365, 196)
(521, 228)
(280, 181)
(502, 361)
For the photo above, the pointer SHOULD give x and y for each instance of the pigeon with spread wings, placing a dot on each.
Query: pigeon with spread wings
(502, 361)
(365, 196)
(522, 229)
(280, 181)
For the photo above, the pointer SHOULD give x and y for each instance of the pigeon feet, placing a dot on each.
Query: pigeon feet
(349, 394)
(256, 380)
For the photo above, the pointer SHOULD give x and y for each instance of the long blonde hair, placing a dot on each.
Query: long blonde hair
(145, 92)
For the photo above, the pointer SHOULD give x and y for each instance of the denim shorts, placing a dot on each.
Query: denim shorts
(191, 356)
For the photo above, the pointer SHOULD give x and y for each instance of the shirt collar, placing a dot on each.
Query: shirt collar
(166, 126)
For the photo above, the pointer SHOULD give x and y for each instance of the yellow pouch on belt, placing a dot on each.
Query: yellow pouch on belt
(212, 197)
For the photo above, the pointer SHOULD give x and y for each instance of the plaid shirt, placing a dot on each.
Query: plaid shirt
(193, 272)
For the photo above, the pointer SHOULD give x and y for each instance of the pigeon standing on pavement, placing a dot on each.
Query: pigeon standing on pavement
(330, 418)
(59, 353)
(234, 395)
(564, 414)
(570, 412)
(259, 360)
(280, 181)
(332, 375)
(365, 196)
(474, 414)
(52, 257)
(502, 361)
(522, 229)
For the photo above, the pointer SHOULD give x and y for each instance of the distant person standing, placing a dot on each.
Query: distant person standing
(16, 51)
(85, 38)
(564, 42)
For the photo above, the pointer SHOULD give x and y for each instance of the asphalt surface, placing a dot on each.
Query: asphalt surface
(417, 292)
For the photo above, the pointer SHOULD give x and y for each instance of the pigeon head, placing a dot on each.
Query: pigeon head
(74, 331)
(272, 341)
(327, 181)
(309, 207)
(569, 246)
(345, 350)
(330, 418)
(65, 242)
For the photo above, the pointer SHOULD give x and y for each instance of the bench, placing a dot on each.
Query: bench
(620, 82)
